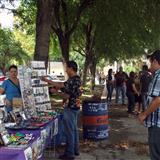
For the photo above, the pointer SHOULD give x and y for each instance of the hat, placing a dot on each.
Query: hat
(154, 56)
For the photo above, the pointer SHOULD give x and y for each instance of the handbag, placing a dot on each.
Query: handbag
(16, 101)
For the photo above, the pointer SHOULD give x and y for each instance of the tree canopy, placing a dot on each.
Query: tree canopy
(117, 29)
(10, 50)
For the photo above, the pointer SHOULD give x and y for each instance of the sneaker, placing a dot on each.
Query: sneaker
(77, 153)
(66, 157)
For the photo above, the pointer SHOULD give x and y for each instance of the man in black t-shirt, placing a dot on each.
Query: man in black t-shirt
(145, 80)
(131, 91)
(120, 79)
(70, 91)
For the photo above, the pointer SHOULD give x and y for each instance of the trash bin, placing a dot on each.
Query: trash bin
(95, 120)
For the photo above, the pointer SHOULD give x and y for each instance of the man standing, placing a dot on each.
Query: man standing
(145, 80)
(151, 115)
(120, 79)
(71, 93)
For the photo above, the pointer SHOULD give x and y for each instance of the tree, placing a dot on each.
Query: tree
(10, 50)
(25, 17)
(62, 15)
(66, 18)
(85, 40)
(127, 28)
(123, 28)
(43, 29)
(86, 44)
(25, 21)
(27, 41)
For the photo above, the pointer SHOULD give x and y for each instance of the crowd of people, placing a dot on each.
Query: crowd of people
(143, 88)
(134, 86)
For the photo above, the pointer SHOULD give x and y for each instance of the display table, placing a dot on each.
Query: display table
(26, 153)
(35, 149)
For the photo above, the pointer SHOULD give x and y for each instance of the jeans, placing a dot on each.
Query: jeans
(110, 91)
(144, 100)
(154, 141)
(70, 117)
(120, 90)
(131, 101)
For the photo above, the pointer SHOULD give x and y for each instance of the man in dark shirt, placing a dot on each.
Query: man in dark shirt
(71, 93)
(130, 92)
(145, 80)
(120, 79)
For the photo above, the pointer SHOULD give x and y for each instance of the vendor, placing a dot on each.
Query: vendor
(70, 90)
(11, 87)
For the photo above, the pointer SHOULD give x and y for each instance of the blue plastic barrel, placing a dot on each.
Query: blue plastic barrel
(95, 120)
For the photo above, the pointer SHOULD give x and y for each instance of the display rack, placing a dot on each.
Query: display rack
(35, 93)
(40, 88)
(24, 75)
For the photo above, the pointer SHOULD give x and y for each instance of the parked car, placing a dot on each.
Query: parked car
(52, 78)
(2, 78)
(56, 78)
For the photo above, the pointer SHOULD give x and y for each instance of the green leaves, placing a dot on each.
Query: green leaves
(10, 50)
(25, 16)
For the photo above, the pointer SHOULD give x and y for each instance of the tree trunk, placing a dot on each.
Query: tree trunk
(88, 49)
(85, 69)
(43, 30)
(64, 45)
(93, 72)
(64, 28)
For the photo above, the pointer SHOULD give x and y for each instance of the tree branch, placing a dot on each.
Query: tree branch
(81, 8)
(92, 39)
(64, 9)
(79, 51)
(57, 15)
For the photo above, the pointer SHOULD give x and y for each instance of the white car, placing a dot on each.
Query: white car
(2, 78)
(54, 78)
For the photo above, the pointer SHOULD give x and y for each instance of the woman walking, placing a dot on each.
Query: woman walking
(110, 86)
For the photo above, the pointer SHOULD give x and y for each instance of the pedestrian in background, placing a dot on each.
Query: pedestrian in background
(145, 80)
(131, 91)
(110, 86)
(120, 79)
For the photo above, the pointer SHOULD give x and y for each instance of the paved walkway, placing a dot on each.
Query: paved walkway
(127, 140)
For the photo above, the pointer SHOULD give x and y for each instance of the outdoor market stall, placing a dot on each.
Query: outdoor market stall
(35, 124)
(34, 150)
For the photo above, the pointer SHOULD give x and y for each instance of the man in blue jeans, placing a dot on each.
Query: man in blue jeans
(151, 115)
(120, 79)
(145, 80)
(71, 93)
